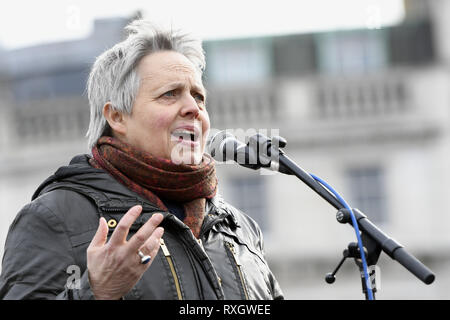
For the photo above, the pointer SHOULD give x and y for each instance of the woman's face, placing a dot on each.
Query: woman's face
(169, 119)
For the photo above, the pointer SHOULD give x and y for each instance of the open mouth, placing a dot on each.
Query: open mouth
(187, 136)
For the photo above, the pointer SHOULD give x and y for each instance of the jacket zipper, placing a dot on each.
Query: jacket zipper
(172, 268)
(125, 209)
(230, 246)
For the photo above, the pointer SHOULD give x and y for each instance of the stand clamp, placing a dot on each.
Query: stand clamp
(372, 252)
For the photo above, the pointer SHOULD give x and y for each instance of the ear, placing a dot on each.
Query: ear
(116, 119)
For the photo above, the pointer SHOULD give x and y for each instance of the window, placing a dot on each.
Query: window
(352, 52)
(249, 195)
(367, 192)
(44, 86)
(238, 62)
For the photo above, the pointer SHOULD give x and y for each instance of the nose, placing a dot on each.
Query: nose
(189, 107)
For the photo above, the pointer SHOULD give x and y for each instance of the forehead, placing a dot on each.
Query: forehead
(163, 67)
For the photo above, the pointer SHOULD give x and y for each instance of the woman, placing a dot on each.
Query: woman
(140, 218)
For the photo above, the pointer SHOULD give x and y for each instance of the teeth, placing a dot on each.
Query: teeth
(182, 132)
(185, 134)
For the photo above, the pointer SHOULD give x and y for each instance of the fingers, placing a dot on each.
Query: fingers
(152, 244)
(114, 266)
(101, 234)
(146, 231)
(120, 233)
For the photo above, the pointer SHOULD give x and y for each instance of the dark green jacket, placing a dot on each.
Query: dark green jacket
(45, 251)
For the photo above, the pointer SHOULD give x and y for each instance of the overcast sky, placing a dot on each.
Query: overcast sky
(25, 22)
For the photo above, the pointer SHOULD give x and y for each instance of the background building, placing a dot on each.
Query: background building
(367, 110)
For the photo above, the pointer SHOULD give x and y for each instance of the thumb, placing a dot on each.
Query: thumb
(101, 234)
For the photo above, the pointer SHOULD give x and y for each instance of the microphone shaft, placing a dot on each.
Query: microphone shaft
(393, 249)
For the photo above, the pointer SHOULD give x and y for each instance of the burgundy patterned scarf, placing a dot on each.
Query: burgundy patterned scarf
(154, 177)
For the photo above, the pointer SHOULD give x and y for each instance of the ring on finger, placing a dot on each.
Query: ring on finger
(144, 258)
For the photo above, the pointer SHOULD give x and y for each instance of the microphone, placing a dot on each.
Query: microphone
(255, 154)
(224, 146)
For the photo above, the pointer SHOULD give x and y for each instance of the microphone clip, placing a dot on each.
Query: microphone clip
(262, 152)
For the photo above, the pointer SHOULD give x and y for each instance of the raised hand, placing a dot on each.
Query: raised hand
(115, 266)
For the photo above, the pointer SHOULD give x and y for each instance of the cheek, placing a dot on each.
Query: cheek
(162, 123)
(161, 127)
(155, 131)
(205, 122)
(159, 135)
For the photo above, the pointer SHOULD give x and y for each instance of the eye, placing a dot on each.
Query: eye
(199, 97)
(170, 93)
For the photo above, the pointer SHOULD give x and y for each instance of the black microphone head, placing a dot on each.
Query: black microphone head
(223, 145)
(215, 145)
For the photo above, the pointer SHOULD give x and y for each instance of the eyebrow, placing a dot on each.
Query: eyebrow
(178, 84)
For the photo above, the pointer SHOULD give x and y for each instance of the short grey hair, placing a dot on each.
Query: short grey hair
(114, 78)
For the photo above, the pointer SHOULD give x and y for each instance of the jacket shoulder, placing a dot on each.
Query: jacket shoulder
(75, 211)
(247, 229)
(36, 236)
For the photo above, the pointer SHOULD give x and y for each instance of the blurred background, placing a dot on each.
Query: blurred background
(360, 90)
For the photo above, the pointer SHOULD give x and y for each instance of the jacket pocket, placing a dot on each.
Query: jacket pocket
(239, 240)
(251, 270)
(231, 251)
(82, 238)
(173, 271)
